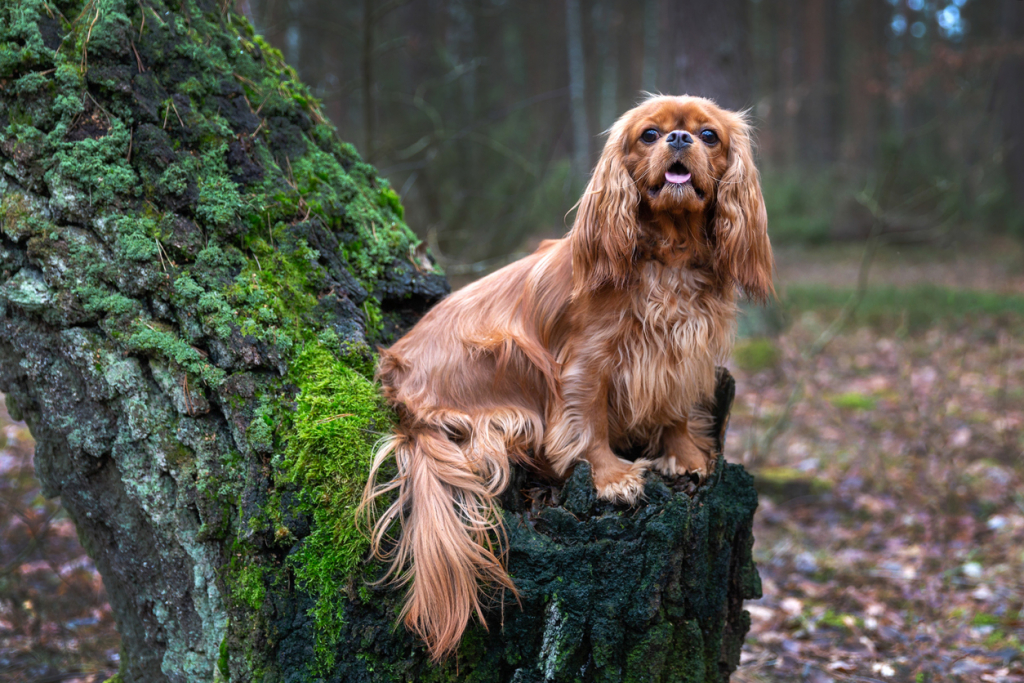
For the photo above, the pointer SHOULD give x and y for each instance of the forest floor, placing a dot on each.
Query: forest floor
(890, 537)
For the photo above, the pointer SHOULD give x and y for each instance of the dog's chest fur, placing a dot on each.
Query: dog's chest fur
(677, 329)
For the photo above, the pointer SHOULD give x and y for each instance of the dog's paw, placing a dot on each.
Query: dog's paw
(692, 462)
(623, 483)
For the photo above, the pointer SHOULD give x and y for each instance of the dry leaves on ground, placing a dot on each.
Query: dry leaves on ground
(890, 537)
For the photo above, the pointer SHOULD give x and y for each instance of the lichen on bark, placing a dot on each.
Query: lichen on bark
(193, 272)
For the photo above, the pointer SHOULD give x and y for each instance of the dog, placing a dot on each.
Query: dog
(605, 340)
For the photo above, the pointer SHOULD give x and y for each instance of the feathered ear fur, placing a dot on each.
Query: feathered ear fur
(740, 221)
(605, 232)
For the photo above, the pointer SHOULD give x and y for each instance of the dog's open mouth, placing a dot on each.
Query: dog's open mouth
(677, 176)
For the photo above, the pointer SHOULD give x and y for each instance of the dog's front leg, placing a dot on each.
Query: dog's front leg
(688, 446)
(578, 429)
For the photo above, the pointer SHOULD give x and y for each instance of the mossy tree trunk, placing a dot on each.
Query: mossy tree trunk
(194, 270)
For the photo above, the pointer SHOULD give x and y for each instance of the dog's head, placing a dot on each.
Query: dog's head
(675, 157)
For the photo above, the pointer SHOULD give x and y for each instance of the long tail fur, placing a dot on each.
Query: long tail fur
(449, 547)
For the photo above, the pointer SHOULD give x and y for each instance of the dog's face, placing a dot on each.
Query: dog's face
(676, 150)
(683, 159)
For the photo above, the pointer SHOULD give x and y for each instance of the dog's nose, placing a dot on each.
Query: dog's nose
(679, 139)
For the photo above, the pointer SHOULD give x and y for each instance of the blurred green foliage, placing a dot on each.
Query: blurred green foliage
(800, 205)
(758, 353)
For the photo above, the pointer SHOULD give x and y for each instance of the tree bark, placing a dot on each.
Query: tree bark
(193, 270)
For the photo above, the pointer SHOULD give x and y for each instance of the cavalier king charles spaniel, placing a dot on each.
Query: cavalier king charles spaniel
(602, 342)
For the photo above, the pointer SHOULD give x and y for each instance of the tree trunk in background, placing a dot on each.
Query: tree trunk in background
(864, 99)
(606, 26)
(193, 270)
(711, 45)
(790, 97)
(1010, 95)
(819, 61)
(366, 72)
(652, 28)
(577, 89)
(276, 13)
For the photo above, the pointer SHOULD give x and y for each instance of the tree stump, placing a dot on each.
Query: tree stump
(194, 272)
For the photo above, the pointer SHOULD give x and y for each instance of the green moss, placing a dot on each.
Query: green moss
(186, 288)
(321, 185)
(97, 167)
(373, 317)
(648, 657)
(222, 661)
(70, 84)
(215, 259)
(174, 180)
(30, 83)
(102, 300)
(17, 217)
(689, 647)
(282, 283)
(249, 585)
(220, 203)
(339, 416)
(149, 338)
(21, 44)
(357, 356)
(104, 29)
(217, 315)
(389, 197)
(261, 430)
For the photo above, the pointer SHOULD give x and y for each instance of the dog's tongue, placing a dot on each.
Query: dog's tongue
(677, 178)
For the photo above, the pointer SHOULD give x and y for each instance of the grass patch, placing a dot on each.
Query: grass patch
(853, 400)
(840, 621)
(756, 354)
(787, 483)
(983, 619)
(911, 309)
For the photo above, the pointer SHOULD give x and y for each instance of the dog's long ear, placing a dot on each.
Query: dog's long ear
(606, 228)
(740, 221)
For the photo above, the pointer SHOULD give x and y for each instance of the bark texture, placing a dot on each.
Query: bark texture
(193, 271)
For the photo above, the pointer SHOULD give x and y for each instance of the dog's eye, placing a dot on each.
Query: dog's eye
(650, 135)
(708, 136)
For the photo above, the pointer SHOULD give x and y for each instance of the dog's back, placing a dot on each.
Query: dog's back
(471, 383)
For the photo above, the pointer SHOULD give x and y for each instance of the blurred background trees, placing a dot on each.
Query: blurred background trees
(486, 114)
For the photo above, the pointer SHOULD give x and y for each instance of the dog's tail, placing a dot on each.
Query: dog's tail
(449, 547)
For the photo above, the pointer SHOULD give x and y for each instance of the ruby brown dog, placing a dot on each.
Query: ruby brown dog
(599, 342)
